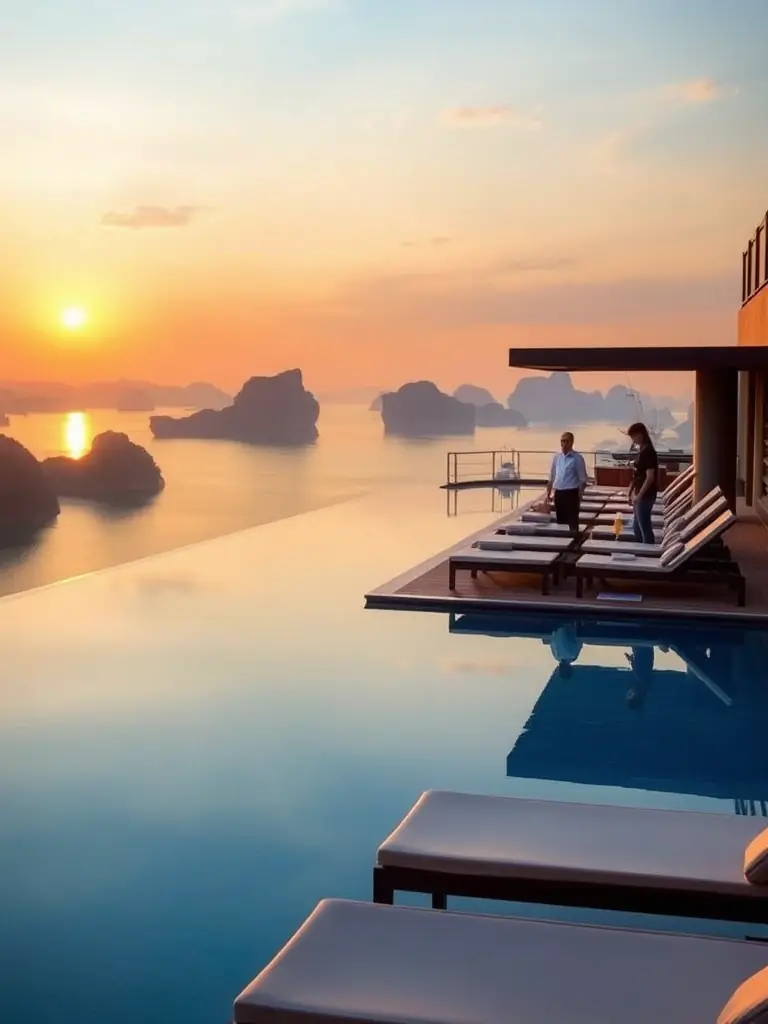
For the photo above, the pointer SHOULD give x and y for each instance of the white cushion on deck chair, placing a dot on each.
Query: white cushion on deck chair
(509, 837)
(375, 964)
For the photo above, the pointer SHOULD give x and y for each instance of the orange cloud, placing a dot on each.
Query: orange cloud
(696, 91)
(485, 117)
(152, 217)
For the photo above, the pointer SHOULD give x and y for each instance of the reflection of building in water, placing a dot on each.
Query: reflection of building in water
(687, 740)
(697, 730)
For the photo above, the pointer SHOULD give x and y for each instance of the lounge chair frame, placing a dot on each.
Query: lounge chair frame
(694, 903)
(708, 572)
(547, 571)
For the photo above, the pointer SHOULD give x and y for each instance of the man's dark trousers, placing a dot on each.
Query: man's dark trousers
(567, 505)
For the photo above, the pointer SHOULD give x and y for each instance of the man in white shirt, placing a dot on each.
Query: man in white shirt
(567, 478)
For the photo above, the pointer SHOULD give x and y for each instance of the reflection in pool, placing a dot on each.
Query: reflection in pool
(685, 710)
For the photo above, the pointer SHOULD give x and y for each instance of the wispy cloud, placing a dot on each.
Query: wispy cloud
(438, 241)
(695, 91)
(487, 117)
(152, 217)
(274, 10)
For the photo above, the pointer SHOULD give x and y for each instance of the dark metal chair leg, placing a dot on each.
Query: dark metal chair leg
(382, 890)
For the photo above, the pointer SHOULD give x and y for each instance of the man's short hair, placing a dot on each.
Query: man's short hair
(568, 434)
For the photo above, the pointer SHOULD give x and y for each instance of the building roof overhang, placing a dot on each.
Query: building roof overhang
(650, 357)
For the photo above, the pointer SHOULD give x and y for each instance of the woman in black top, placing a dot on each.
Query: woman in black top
(645, 485)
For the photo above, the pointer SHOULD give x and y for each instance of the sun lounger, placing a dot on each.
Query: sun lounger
(534, 563)
(708, 511)
(680, 515)
(360, 963)
(673, 566)
(675, 863)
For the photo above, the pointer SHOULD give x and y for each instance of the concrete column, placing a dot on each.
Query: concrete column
(746, 467)
(716, 438)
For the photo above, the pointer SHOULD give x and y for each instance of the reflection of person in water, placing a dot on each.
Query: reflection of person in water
(566, 647)
(641, 662)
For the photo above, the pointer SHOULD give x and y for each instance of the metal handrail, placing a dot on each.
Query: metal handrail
(482, 466)
(754, 262)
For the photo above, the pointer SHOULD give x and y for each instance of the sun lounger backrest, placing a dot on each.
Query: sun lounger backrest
(709, 512)
(679, 504)
(682, 519)
(681, 481)
(715, 529)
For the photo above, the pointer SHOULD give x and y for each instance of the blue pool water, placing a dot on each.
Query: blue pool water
(196, 748)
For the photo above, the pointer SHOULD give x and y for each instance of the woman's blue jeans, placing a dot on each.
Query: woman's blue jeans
(643, 525)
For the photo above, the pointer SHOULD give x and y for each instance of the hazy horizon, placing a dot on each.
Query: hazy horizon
(372, 192)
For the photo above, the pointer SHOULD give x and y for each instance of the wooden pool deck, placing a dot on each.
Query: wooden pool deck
(425, 587)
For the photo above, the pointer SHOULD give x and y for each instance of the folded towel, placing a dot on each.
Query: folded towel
(623, 556)
(521, 528)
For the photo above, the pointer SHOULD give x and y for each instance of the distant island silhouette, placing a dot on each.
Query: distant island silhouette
(20, 397)
(543, 400)
(554, 401)
(474, 395)
(267, 410)
(28, 501)
(685, 429)
(420, 409)
(115, 471)
(489, 412)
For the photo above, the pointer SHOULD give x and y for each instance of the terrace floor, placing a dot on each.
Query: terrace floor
(426, 587)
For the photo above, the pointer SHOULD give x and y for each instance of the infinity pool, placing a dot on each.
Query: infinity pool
(196, 748)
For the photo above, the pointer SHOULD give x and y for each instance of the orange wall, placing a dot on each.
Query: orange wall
(753, 320)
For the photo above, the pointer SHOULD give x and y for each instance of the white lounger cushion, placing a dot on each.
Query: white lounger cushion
(537, 529)
(749, 1003)
(507, 837)
(524, 543)
(372, 964)
(756, 860)
(499, 558)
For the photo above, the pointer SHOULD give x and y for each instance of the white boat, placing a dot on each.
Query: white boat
(506, 473)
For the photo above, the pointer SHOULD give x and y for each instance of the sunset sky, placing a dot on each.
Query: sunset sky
(372, 190)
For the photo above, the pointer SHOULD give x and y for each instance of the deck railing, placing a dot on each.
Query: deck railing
(477, 466)
(754, 262)
(532, 466)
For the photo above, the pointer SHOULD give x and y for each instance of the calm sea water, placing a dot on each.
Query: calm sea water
(214, 488)
(197, 747)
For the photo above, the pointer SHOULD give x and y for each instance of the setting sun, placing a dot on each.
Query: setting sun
(73, 318)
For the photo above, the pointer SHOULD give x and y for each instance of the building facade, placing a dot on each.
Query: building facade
(753, 390)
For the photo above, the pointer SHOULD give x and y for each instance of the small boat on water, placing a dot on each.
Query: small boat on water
(506, 473)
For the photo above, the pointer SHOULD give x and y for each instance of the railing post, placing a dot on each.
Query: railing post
(744, 277)
(758, 238)
(750, 264)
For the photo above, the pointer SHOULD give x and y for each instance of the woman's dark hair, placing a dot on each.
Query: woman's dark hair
(640, 430)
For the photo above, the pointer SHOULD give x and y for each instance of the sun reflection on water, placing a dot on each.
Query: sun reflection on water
(77, 434)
